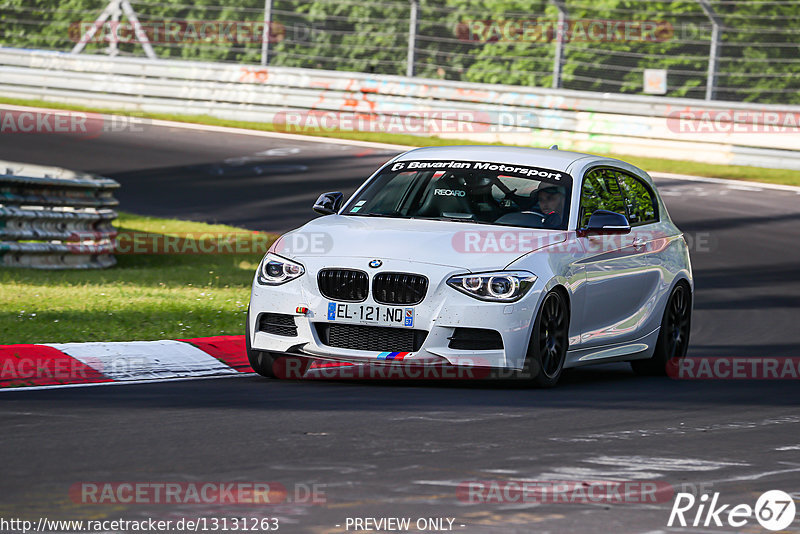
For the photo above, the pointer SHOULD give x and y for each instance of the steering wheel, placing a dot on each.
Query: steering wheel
(551, 220)
(537, 213)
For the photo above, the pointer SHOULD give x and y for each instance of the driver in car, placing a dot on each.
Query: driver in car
(551, 203)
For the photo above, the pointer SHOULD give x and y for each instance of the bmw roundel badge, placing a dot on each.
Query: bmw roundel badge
(375, 264)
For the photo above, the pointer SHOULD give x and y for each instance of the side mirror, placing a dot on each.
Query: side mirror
(328, 203)
(606, 222)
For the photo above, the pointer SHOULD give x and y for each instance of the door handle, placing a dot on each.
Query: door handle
(639, 242)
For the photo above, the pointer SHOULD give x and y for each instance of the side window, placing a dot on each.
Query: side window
(601, 191)
(639, 199)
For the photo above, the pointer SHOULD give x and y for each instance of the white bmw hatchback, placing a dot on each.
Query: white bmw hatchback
(494, 257)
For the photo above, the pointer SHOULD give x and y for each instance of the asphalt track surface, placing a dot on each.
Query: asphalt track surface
(401, 449)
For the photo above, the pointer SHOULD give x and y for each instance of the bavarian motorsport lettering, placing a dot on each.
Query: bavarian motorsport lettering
(517, 170)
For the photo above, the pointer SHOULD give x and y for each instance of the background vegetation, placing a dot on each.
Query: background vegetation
(145, 297)
(758, 60)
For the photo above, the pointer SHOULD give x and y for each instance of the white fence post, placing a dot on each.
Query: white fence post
(559, 52)
(412, 38)
(713, 54)
(266, 35)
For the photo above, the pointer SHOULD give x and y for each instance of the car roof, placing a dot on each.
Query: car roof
(558, 160)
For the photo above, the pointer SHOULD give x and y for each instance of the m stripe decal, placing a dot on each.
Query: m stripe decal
(392, 355)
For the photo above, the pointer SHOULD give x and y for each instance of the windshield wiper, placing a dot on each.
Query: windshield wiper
(452, 219)
(370, 214)
(398, 216)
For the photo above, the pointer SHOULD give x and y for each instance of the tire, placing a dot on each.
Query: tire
(547, 349)
(673, 337)
(274, 364)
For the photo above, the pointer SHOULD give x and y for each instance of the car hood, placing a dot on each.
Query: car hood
(474, 247)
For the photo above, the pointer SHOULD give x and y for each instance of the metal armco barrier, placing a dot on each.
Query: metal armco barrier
(55, 219)
(714, 132)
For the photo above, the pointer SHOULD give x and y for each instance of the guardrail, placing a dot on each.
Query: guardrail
(683, 129)
(52, 218)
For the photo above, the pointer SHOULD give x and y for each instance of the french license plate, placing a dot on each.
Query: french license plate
(371, 314)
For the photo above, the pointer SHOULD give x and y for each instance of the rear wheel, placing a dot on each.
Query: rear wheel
(274, 364)
(547, 348)
(673, 338)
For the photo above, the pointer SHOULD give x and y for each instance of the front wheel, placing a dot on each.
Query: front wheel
(673, 338)
(274, 364)
(547, 348)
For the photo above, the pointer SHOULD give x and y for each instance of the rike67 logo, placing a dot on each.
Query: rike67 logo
(774, 510)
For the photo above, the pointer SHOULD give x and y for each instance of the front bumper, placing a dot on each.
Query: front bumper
(442, 311)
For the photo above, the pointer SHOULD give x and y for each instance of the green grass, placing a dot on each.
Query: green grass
(733, 172)
(144, 297)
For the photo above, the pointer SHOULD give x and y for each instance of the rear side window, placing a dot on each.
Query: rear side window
(640, 200)
(601, 191)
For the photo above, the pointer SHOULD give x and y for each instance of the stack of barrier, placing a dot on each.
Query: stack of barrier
(52, 218)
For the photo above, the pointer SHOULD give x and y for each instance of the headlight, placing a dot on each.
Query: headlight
(500, 286)
(275, 270)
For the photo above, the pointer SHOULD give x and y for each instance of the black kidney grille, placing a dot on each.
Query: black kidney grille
(399, 288)
(372, 338)
(277, 323)
(343, 284)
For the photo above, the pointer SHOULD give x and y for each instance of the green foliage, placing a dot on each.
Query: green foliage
(161, 296)
(469, 40)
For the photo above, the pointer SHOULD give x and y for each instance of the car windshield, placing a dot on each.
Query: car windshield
(467, 191)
